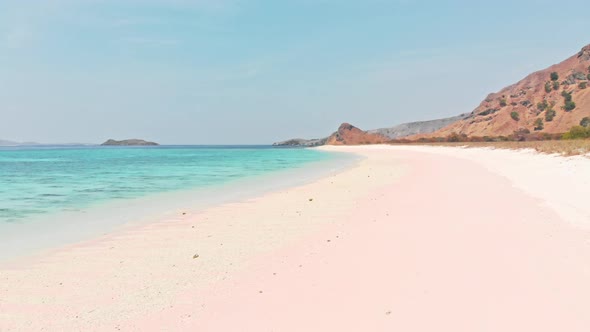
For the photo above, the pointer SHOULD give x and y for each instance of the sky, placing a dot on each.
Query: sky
(255, 72)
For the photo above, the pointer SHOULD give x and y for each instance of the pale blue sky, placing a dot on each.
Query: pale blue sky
(246, 72)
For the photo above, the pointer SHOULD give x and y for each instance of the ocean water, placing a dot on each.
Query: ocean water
(37, 182)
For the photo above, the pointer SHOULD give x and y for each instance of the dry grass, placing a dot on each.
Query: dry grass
(564, 147)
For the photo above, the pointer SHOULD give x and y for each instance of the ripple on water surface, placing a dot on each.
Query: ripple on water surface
(38, 181)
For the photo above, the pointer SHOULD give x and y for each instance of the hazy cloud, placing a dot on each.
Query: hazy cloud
(18, 36)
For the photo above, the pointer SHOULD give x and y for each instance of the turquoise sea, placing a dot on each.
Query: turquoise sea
(39, 181)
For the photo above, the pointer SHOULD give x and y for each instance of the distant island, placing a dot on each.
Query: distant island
(129, 142)
(11, 143)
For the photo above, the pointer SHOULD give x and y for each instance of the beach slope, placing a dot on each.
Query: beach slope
(409, 239)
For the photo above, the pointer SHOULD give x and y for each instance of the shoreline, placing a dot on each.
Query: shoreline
(51, 232)
(404, 234)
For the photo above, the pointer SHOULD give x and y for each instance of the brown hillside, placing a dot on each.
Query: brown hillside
(493, 116)
(348, 134)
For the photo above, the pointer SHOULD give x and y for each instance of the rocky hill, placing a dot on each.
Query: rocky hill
(551, 100)
(379, 135)
(128, 142)
(348, 134)
(416, 128)
(302, 142)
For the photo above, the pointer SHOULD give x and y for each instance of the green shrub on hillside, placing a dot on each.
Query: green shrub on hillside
(585, 122)
(542, 105)
(583, 85)
(454, 137)
(568, 101)
(548, 86)
(515, 116)
(577, 132)
(555, 85)
(539, 124)
(550, 114)
(503, 102)
(569, 106)
(554, 76)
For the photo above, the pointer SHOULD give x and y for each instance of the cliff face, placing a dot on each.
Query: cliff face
(532, 101)
(348, 134)
(129, 142)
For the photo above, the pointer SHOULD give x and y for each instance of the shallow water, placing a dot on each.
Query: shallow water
(55, 196)
(37, 181)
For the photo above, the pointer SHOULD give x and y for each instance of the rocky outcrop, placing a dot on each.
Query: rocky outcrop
(580, 76)
(348, 134)
(128, 142)
(302, 142)
(584, 54)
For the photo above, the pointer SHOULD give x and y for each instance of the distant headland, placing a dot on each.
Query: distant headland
(546, 105)
(129, 142)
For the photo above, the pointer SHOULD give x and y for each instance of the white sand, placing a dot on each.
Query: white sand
(411, 239)
(561, 183)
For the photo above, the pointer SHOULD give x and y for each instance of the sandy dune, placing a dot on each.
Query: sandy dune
(411, 239)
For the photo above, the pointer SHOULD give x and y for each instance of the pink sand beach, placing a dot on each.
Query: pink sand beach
(408, 239)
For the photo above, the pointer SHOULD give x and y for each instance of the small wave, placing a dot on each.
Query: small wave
(50, 195)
